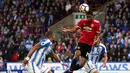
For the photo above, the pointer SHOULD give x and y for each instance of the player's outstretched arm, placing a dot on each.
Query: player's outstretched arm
(98, 31)
(58, 59)
(71, 30)
(104, 60)
(34, 48)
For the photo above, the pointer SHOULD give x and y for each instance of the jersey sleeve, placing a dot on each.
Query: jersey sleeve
(98, 29)
(45, 43)
(80, 23)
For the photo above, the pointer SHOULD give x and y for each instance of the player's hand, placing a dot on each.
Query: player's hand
(103, 65)
(65, 64)
(24, 62)
(64, 29)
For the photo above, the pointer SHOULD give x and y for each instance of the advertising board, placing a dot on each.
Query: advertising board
(58, 68)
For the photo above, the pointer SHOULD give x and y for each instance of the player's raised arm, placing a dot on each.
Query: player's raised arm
(34, 48)
(98, 34)
(75, 28)
(58, 59)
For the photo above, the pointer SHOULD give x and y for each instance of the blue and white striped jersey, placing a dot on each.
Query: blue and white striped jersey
(39, 55)
(96, 52)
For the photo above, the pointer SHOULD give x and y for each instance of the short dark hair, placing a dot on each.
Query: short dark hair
(48, 34)
(89, 12)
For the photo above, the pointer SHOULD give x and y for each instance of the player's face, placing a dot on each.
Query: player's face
(89, 17)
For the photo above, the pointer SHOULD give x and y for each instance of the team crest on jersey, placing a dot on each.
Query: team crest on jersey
(92, 25)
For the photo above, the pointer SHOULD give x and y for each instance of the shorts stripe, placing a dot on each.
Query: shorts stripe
(88, 66)
(33, 67)
(45, 70)
(91, 70)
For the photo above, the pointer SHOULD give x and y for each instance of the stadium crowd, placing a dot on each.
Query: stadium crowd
(117, 28)
(24, 22)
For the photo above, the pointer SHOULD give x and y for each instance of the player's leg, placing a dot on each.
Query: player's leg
(32, 68)
(45, 69)
(96, 71)
(81, 64)
(86, 49)
(74, 60)
(49, 72)
(90, 68)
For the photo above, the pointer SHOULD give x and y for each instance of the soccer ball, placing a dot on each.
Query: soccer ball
(84, 8)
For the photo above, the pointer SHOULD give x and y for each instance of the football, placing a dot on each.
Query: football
(84, 8)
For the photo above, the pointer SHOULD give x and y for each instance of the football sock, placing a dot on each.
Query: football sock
(73, 64)
(78, 67)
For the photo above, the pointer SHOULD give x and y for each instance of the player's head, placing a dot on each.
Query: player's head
(50, 35)
(89, 15)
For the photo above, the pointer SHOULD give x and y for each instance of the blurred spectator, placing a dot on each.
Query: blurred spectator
(68, 6)
(15, 56)
(22, 50)
(110, 59)
(68, 55)
(50, 20)
(59, 47)
(109, 38)
(29, 43)
(63, 54)
(124, 59)
(119, 59)
(125, 50)
(49, 60)
(5, 55)
(18, 33)
(112, 51)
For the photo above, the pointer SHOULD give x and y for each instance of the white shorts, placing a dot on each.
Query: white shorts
(32, 68)
(89, 67)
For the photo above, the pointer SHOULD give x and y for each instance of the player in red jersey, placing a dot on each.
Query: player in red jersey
(90, 31)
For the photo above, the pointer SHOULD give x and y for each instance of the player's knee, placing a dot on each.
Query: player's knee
(82, 64)
(83, 61)
(49, 72)
(94, 71)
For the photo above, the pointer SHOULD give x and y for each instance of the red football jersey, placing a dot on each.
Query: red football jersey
(88, 31)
